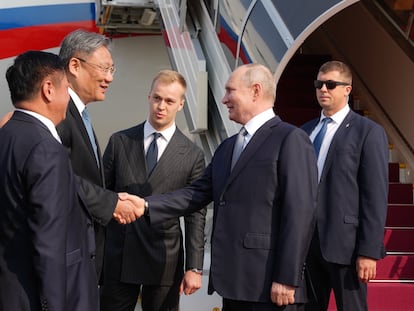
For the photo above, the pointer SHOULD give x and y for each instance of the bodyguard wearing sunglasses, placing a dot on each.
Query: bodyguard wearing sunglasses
(352, 160)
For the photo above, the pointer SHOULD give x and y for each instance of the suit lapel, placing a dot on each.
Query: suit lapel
(82, 129)
(174, 147)
(132, 143)
(135, 148)
(21, 116)
(311, 126)
(338, 137)
(250, 150)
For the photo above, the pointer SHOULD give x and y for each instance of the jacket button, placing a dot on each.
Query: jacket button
(222, 203)
(93, 256)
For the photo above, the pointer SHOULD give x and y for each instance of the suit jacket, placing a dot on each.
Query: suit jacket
(138, 253)
(352, 196)
(46, 236)
(100, 202)
(263, 212)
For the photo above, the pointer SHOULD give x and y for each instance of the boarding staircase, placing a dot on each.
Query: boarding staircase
(194, 49)
(393, 287)
(296, 102)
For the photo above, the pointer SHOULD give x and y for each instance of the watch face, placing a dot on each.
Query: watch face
(197, 270)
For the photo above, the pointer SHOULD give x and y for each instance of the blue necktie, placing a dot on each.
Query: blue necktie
(152, 153)
(317, 142)
(238, 146)
(88, 126)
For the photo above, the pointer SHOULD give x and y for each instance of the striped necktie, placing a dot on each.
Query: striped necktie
(152, 153)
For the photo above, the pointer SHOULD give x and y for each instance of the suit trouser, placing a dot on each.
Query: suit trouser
(99, 252)
(236, 305)
(350, 294)
(123, 297)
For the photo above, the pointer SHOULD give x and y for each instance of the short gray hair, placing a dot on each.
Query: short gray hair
(82, 42)
(256, 72)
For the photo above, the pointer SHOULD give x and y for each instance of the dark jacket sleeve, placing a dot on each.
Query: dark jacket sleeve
(195, 223)
(100, 202)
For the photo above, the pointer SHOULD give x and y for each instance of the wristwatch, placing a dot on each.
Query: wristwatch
(198, 271)
(146, 208)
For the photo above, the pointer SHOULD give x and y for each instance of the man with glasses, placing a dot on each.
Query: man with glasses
(89, 69)
(352, 163)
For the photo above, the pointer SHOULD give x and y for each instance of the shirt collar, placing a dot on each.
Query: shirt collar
(339, 116)
(47, 122)
(76, 99)
(167, 134)
(258, 120)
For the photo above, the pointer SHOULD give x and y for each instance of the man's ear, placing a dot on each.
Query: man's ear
(256, 90)
(348, 89)
(74, 66)
(47, 90)
(181, 104)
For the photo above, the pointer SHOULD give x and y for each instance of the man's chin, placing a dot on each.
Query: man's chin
(100, 98)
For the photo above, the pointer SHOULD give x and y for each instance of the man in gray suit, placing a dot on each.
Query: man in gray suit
(152, 158)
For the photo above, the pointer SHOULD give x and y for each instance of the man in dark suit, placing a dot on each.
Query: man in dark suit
(89, 68)
(263, 207)
(46, 235)
(352, 196)
(140, 254)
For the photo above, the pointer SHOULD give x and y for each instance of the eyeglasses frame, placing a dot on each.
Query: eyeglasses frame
(106, 70)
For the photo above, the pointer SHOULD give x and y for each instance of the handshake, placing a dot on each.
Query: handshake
(128, 208)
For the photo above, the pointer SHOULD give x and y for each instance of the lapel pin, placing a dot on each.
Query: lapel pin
(347, 125)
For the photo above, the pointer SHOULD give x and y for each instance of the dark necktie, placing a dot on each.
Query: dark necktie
(88, 126)
(152, 153)
(238, 146)
(317, 142)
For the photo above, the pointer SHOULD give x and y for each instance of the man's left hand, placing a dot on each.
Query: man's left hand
(366, 269)
(282, 294)
(191, 283)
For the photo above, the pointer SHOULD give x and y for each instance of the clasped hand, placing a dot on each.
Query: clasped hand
(128, 208)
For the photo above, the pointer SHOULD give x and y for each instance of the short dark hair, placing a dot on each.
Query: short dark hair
(341, 67)
(25, 76)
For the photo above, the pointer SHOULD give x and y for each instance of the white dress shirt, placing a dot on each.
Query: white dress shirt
(47, 122)
(331, 129)
(162, 142)
(256, 122)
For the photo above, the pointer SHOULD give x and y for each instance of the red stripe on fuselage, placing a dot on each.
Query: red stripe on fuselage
(17, 40)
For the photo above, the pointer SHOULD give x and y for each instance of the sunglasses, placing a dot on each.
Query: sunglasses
(330, 84)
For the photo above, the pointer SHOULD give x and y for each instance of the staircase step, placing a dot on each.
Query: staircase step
(400, 193)
(396, 267)
(295, 89)
(400, 215)
(399, 239)
(394, 172)
(392, 296)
